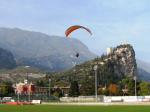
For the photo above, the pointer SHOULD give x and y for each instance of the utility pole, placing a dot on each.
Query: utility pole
(135, 85)
(18, 96)
(28, 83)
(29, 92)
(49, 87)
(0, 96)
(95, 69)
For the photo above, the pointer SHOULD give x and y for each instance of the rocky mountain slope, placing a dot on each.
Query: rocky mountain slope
(36, 49)
(7, 60)
(143, 70)
(20, 74)
(55, 53)
(119, 63)
(143, 65)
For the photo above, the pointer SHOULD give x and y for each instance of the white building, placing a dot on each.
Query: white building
(109, 50)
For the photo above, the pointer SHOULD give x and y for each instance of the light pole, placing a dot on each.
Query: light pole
(49, 87)
(0, 95)
(95, 69)
(28, 83)
(135, 85)
(27, 72)
(18, 96)
(17, 90)
(29, 92)
(0, 91)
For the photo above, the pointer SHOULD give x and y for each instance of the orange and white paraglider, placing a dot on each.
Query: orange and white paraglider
(75, 27)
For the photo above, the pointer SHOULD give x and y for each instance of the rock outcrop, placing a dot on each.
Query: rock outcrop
(123, 57)
(119, 63)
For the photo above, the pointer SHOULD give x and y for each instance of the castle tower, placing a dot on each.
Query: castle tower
(109, 50)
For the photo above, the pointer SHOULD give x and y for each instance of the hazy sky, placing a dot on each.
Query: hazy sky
(111, 21)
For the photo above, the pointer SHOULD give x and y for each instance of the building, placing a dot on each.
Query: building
(109, 50)
(24, 88)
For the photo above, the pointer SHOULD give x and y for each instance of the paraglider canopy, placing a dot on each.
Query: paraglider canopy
(75, 27)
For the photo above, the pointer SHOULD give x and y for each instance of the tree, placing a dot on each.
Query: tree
(10, 89)
(40, 83)
(129, 84)
(113, 90)
(103, 91)
(3, 89)
(57, 92)
(144, 88)
(74, 89)
(87, 86)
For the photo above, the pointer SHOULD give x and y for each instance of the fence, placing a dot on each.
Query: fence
(126, 98)
(81, 99)
(106, 99)
(44, 98)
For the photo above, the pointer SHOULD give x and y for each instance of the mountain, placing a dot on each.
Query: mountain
(143, 70)
(143, 75)
(40, 50)
(7, 60)
(143, 65)
(52, 53)
(20, 73)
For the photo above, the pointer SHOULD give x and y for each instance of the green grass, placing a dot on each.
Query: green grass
(50, 108)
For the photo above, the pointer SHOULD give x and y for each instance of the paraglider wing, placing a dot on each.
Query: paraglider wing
(75, 27)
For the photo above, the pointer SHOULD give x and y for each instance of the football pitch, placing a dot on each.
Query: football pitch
(65, 108)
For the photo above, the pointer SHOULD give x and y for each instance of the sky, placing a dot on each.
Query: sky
(112, 22)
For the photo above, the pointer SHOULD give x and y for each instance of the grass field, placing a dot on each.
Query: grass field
(50, 108)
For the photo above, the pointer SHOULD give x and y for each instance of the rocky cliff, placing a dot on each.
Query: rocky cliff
(123, 59)
(119, 62)
(7, 60)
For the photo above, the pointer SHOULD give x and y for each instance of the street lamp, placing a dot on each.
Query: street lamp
(95, 69)
(28, 83)
(135, 78)
(0, 96)
(27, 72)
(49, 87)
(17, 87)
(18, 96)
